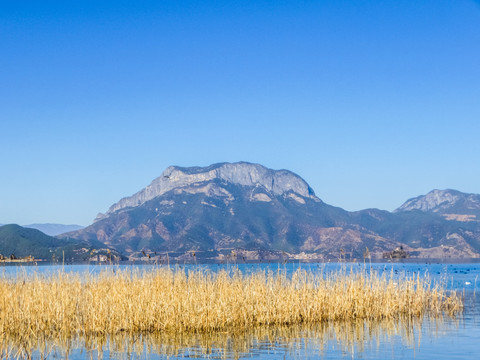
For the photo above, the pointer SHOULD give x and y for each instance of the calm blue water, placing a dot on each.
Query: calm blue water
(445, 338)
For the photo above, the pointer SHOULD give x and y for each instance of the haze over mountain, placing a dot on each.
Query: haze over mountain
(254, 212)
(54, 229)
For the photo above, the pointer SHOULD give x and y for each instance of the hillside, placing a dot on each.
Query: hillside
(259, 213)
(424, 234)
(235, 218)
(23, 242)
(451, 204)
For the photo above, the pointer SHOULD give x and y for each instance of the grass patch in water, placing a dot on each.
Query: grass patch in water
(172, 301)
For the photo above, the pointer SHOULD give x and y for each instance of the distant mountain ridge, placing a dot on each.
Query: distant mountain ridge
(452, 204)
(54, 229)
(248, 209)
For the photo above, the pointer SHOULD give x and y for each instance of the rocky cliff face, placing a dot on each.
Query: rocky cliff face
(277, 182)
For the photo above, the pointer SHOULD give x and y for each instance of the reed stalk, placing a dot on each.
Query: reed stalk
(173, 301)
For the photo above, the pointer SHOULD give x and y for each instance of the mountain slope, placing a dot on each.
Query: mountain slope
(212, 216)
(22, 242)
(425, 234)
(452, 204)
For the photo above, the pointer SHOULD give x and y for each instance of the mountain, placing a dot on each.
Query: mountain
(424, 234)
(247, 211)
(451, 204)
(212, 211)
(259, 213)
(54, 229)
(20, 242)
(250, 211)
(242, 173)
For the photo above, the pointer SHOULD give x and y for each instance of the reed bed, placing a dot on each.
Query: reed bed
(173, 301)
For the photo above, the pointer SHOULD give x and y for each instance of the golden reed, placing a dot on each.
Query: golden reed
(171, 301)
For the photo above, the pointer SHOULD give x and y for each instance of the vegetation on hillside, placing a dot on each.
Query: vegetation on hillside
(17, 242)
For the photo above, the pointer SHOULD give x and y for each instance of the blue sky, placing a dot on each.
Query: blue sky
(371, 102)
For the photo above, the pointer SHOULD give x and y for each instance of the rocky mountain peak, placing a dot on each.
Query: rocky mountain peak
(441, 201)
(277, 182)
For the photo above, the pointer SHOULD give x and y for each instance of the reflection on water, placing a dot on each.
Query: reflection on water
(350, 339)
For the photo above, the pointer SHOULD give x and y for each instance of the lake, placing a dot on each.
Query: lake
(439, 338)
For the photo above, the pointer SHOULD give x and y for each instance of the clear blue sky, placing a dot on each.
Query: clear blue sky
(371, 102)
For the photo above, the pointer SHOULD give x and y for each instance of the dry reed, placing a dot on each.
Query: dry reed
(171, 301)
